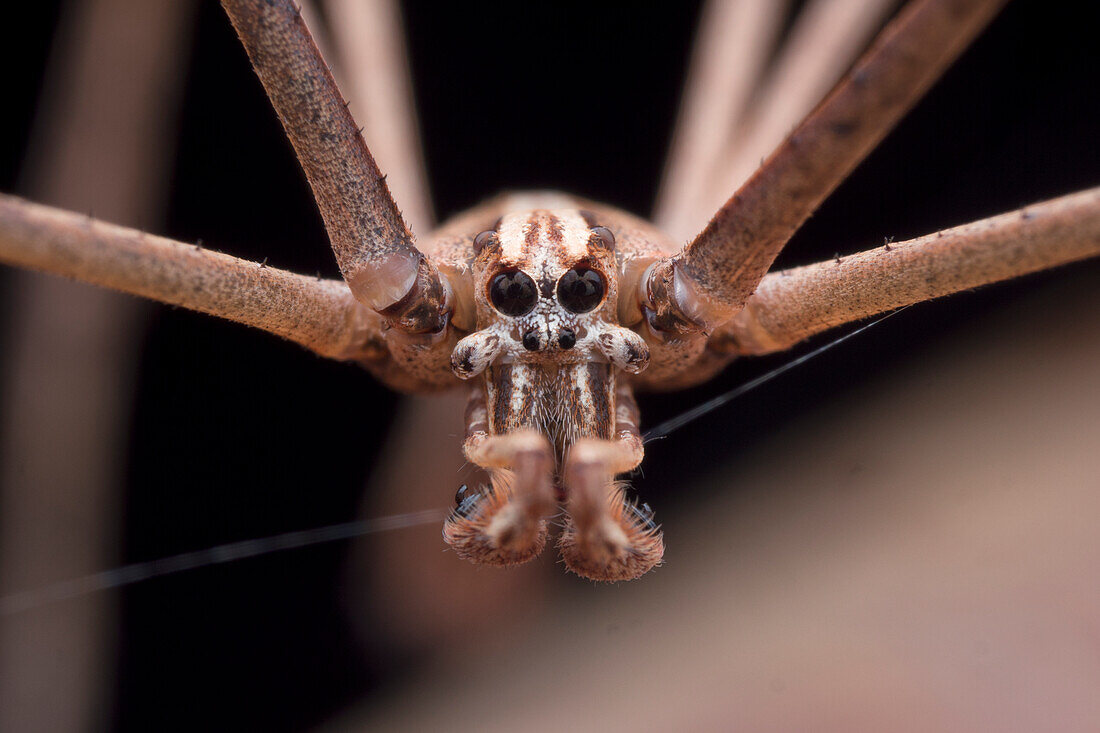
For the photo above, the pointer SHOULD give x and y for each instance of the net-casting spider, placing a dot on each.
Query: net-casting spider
(553, 310)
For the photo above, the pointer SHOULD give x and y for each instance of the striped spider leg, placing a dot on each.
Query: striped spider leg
(555, 310)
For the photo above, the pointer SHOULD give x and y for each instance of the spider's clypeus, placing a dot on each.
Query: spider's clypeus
(550, 310)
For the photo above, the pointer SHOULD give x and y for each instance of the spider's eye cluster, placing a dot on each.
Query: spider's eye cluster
(513, 293)
(581, 289)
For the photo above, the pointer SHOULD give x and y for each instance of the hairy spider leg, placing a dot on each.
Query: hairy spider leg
(606, 536)
(504, 524)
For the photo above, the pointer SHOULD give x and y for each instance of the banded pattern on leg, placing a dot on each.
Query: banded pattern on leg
(607, 537)
(504, 523)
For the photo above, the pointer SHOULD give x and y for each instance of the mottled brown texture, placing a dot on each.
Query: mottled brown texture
(563, 402)
(792, 305)
(639, 244)
(366, 230)
(318, 314)
(729, 258)
(373, 73)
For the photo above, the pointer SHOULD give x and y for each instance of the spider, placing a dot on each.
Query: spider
(619, 244)
(555, 309)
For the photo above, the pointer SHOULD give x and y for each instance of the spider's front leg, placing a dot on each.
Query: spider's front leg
(608, 537)
(374, 248)
(505, 522)
(710, 280)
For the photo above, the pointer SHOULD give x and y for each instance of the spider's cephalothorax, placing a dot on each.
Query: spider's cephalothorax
(551, 417)
(548, 339)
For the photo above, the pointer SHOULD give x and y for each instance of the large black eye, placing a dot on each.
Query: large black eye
(580, 290)
(513, 293)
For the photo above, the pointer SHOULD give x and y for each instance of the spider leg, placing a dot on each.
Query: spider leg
(505, 524)
(318, 314)
(373, 246)
(373, 70)
(607, 537)
(731, 50)
(405, 340)
(795, 304)
(709, 281)
(826, 38)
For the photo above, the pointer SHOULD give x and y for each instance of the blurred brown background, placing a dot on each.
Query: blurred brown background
(899, 535)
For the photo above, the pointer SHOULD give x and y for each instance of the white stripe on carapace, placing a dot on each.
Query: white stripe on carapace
(543, 240)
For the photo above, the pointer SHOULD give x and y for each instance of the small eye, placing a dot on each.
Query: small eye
(482, 239)
(513, 293)
(580, 290)
(605, 238)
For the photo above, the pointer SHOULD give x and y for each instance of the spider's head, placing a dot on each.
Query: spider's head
(546, 291)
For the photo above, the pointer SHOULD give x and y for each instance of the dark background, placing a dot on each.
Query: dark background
(236, 434)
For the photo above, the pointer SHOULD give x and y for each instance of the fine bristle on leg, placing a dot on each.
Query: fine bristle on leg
(792, 305)
(606, 536)
(373, 246)
(505, 523)
(710, 280)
